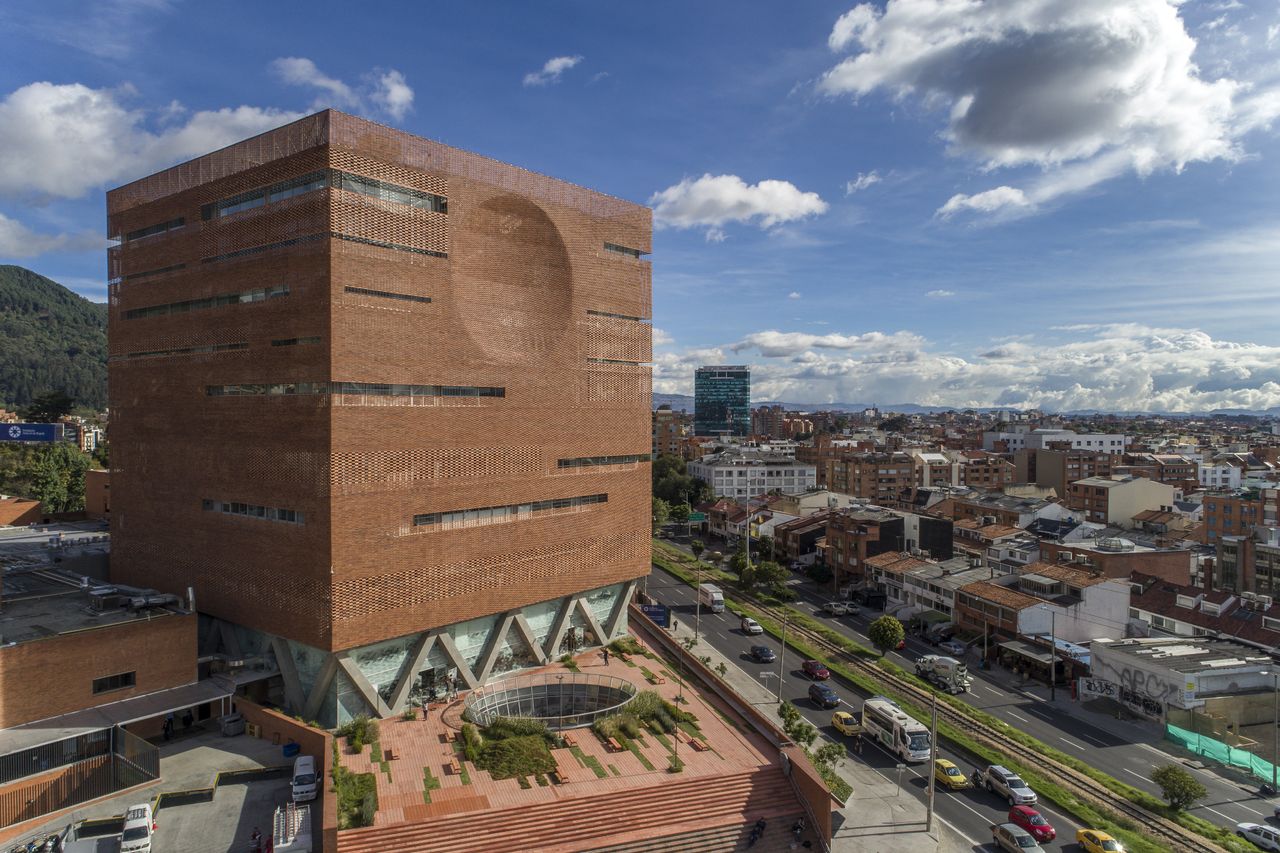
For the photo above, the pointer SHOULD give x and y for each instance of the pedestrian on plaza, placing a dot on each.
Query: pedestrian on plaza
(606, 656)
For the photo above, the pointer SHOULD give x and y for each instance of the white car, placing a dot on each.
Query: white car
(751, 626)
(1009, 785)
(955, 648)
(1263, 836)
(837, 608)
(139, 826)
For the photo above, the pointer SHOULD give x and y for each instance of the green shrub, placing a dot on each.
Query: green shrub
(626, 646)
(504, 727)
(472, 743)
(646, 704)
(629, 724)
(409, 714)
(516, 757)
(608, 727)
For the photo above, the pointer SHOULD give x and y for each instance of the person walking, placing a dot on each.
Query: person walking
(605, 652)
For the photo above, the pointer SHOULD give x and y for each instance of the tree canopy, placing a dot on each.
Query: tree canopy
(886, 632)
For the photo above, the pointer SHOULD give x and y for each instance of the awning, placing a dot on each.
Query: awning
(119, 713)
(1026, 650)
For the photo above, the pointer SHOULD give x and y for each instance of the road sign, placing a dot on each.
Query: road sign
(659, 613)
(697, 517)
(42, 433)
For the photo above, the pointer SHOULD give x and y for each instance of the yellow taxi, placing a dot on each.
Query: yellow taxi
(946, 774)
(1097, 841)
(845, 723)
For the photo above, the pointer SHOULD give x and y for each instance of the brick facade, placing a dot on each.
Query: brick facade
(512, 281)
(161, 651)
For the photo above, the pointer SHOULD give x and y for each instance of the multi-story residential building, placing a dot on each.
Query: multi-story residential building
(855, 534)
(824, 448)
(1085, 604)
(998, 612)
(776, 422)
(1057, 468)
(1248, 563)
(1116, 557)
(667, 428)
(380, 404)
(1236, 513)
(987, 472)
(1219, 475)
(885, 478)
(1117, 499)
(934, 469)
(1165, 608)
(995, 507)
(740, 473)
(722, 400)
(1033, 439)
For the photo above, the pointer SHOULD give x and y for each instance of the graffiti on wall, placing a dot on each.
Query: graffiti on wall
(1100, 688)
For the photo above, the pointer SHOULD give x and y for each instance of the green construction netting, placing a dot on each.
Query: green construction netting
(1219, 751)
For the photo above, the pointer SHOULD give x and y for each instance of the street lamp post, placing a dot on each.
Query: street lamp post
(560, 699)
(1053, 652)
(782, 654)
(697, 613)
(1275, 722)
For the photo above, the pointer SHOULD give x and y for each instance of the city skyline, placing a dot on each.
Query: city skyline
(854, 216)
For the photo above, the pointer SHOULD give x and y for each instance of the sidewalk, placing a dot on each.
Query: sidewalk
(878, 818)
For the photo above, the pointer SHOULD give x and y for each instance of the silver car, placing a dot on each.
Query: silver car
(955, 648)
(1014, 839)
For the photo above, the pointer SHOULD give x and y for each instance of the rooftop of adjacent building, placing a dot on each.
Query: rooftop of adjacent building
(42, 600)
(1184, 654)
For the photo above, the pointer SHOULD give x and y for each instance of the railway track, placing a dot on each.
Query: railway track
(1158, 827)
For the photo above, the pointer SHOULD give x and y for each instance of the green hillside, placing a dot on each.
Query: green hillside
(50, 340)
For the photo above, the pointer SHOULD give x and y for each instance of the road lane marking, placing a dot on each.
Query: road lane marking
(1019, 716)
(1031, 695)
(1220, 814)
(1131, 773)
(1072, 743)
(1093, 739)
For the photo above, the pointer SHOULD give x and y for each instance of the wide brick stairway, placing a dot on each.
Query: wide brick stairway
(692, 815)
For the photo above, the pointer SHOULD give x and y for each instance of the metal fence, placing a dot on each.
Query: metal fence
(73, 771)
(562, 701)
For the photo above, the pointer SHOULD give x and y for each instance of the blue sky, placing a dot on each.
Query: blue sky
(953, 202)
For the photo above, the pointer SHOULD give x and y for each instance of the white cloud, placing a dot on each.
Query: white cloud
(393, 95)
(716, 235)
(661, 338)
(714, 200)
(861, 182)
(385, 91)
(19, 241)
(1117, 367)
(551, 70)
(795, 294)
(1085, 91)
(941, 294)
(63, 140)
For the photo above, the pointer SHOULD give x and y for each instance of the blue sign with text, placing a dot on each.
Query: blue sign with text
(30, 432)
(659, 613)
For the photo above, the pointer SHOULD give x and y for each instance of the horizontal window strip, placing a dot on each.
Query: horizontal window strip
(263, 513)
(152, 230)
(390, 192)
(500, 514)
(615, 361)
(201, 350)
(258, 197)
(148, 273)
(253, 250)
(622, 250)
(261, 294)
(617, 316)
(382, 244)
(588, 461)
(386, 294)
(319, 180)
(360, 389)
(293, 342)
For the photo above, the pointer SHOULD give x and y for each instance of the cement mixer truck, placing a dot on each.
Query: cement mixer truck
(944, 673)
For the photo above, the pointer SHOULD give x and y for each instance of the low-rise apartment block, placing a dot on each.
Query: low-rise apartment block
(1117, 499)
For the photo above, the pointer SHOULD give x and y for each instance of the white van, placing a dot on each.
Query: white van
(710, 596)
(139, 826)
(304, 779)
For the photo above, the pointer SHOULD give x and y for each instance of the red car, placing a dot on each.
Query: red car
(815, 670)
(1033, 822)
(902, 644)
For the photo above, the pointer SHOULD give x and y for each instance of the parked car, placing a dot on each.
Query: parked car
(751, 626)
(824, 696)
(946, 774)
(1014, 839)
(955, 648)
(845, 723)
(1260, 835)
(1033, 822)
(1009, 785)
(139, 826)
(1097, 841)
(839, 608)
(815, 670)
(763, 654)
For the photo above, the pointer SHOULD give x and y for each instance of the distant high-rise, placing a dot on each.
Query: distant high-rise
(381, 404)
(722, 400)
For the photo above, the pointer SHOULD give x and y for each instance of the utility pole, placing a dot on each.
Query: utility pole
(1053, 655)
(933, 757)
(697, 613)
(782, 654)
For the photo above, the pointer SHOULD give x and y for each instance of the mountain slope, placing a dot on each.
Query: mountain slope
(50, 340)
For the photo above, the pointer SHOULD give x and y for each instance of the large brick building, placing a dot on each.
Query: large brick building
(382, 404)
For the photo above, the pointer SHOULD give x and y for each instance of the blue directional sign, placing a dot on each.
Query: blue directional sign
(38, 433)
(659, 613)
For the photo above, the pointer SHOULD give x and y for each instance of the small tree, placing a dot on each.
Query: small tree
(885, 633)
(680, 512)
(1177, 786)
(795, 726)
(697, 548)
(738, 562)
(661, 512)
(49, 407)
(765, 547)
(828, 755)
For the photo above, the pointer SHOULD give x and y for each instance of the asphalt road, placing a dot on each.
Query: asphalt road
(970, 813)
(1067, 729)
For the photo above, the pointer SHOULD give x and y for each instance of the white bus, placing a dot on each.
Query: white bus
(890, 726)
